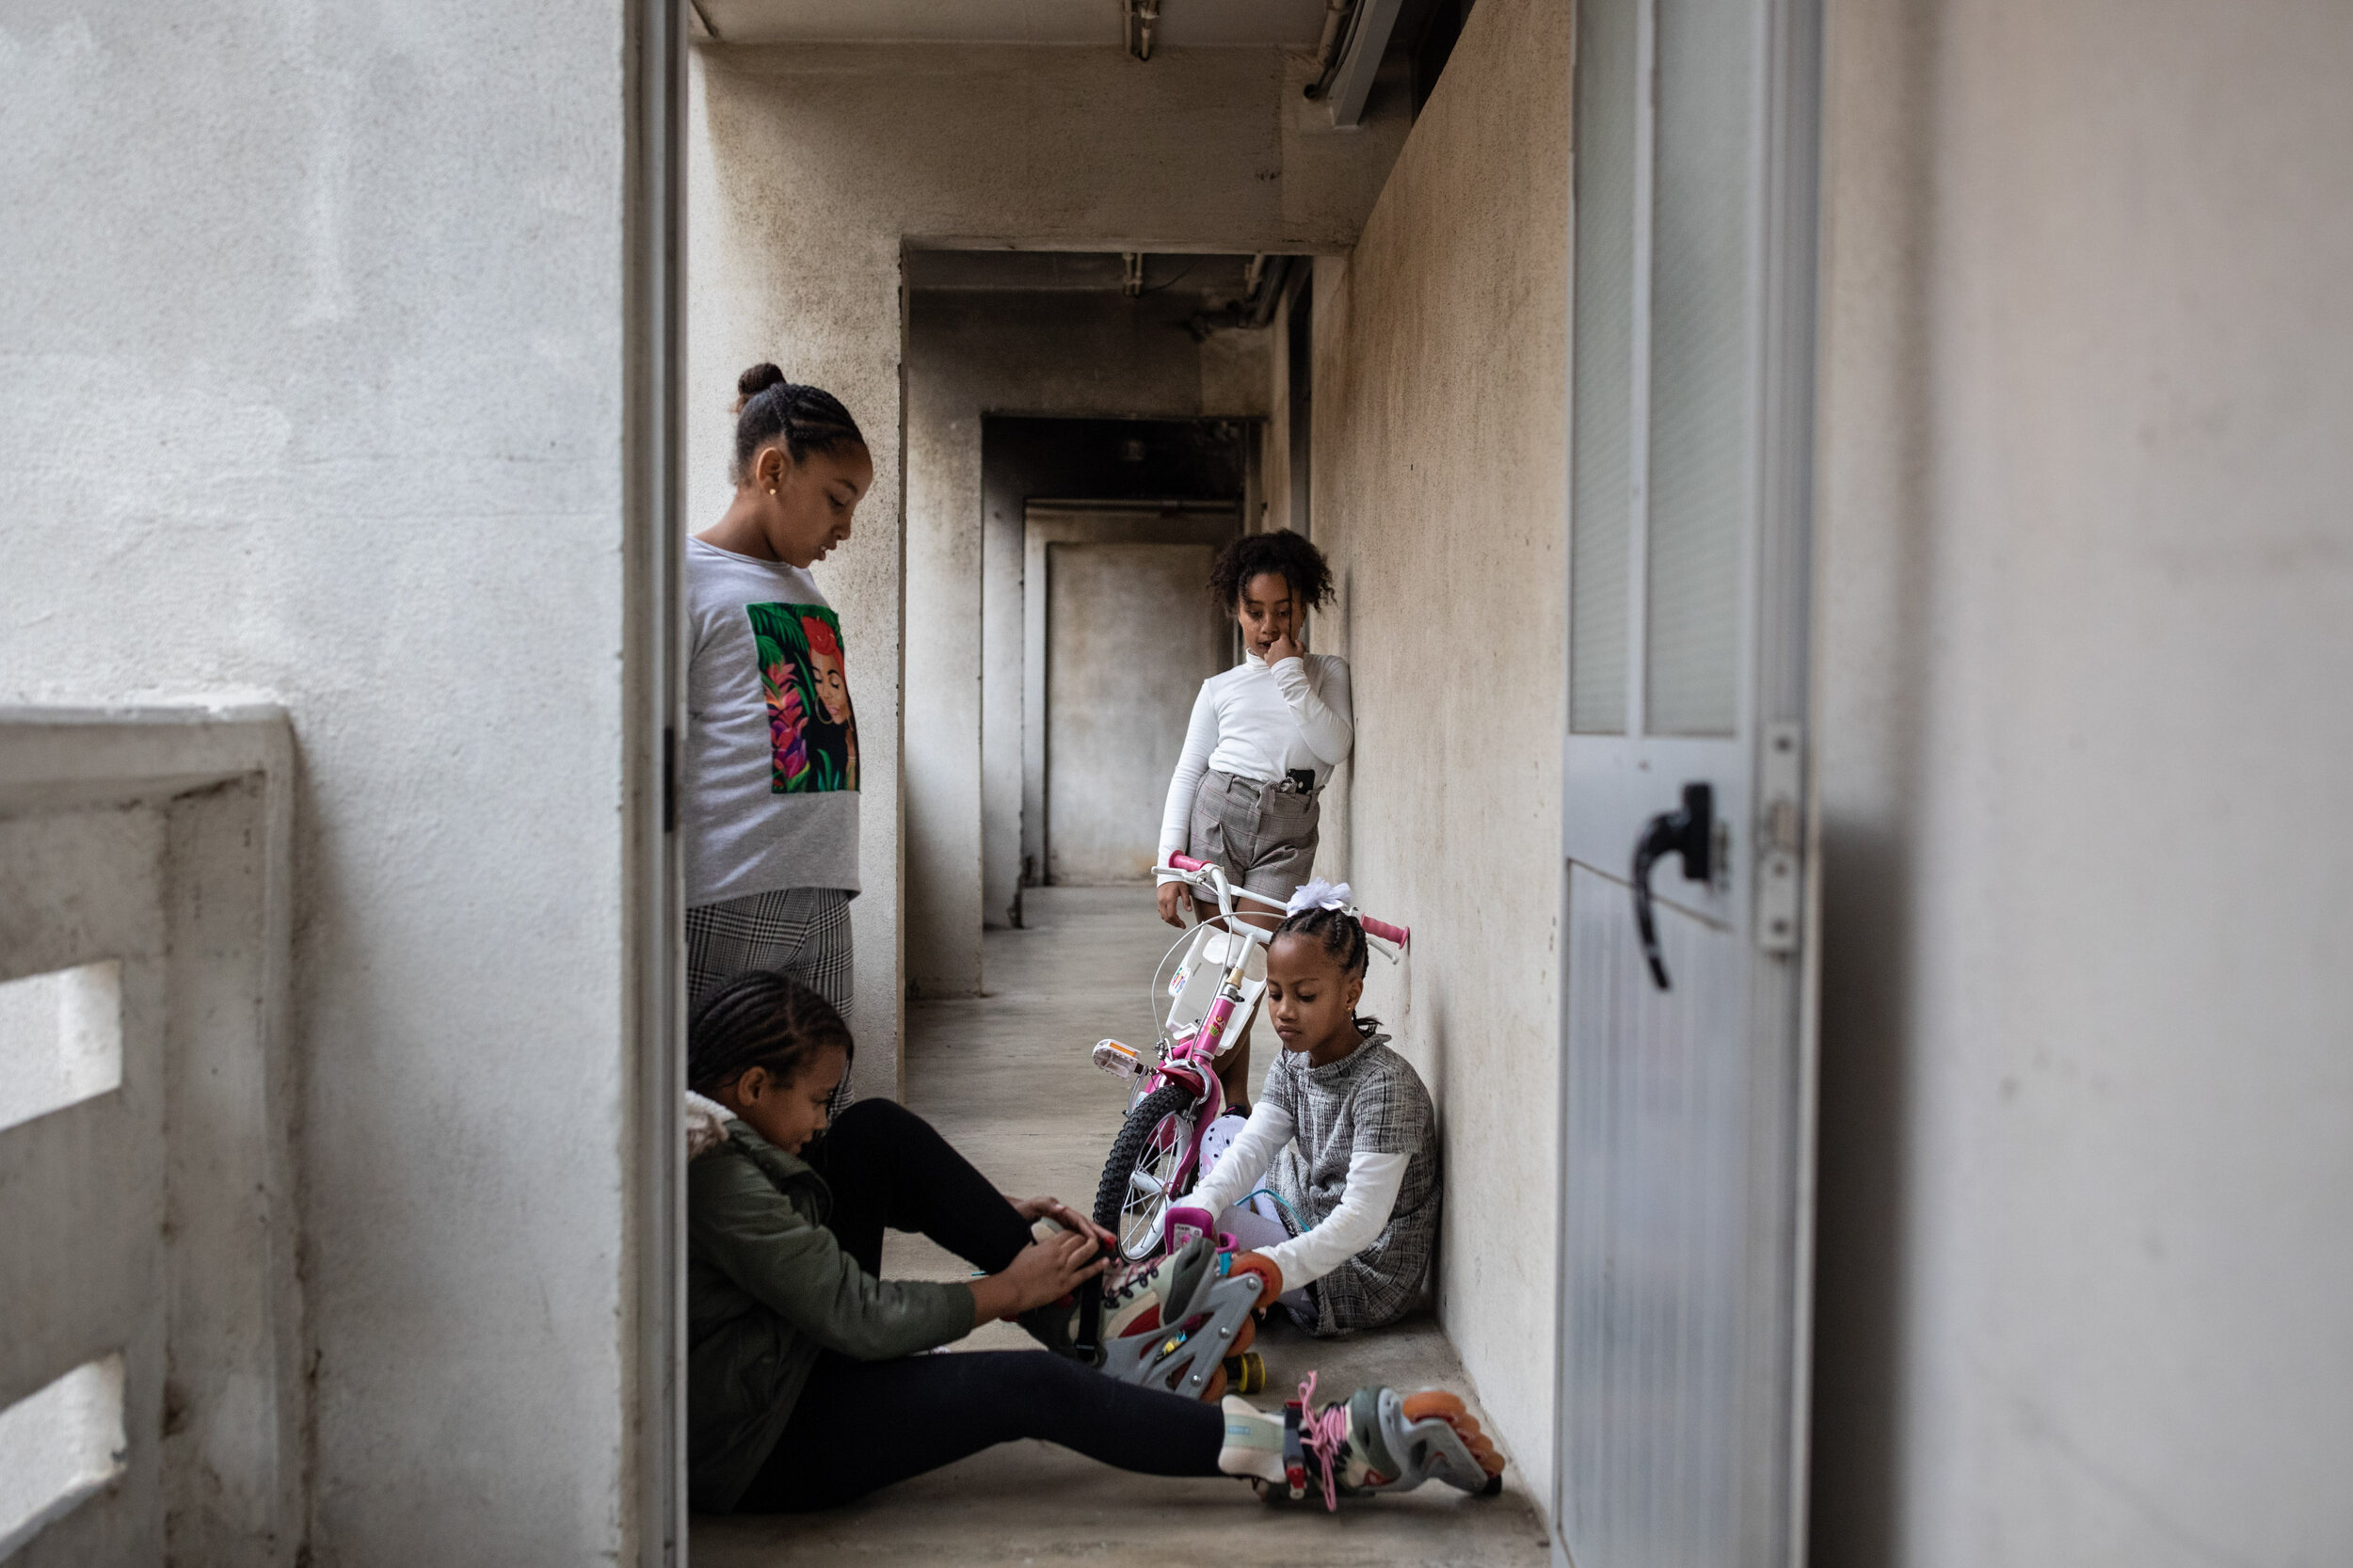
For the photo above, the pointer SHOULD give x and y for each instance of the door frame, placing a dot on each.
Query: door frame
(1620, 785)
(653, 665)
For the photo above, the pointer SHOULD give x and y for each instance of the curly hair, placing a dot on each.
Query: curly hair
(1285, 554)
(760, 1020)
(807, 419)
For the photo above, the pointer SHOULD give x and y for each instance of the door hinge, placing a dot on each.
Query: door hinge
(669, 779)
(1780, 836)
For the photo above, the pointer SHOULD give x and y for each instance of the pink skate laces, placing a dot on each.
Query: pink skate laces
(1324, 1435)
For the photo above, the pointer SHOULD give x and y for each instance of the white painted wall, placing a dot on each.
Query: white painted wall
(312, 392)
(1440, 497)
(2087, 573)
(810, 165)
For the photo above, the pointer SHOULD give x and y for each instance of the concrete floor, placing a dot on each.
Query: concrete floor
(1006, 1078)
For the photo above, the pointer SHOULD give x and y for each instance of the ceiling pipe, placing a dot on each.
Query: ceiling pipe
(1347, 79)
(1328, 46)
(1262, 290)
(1258, 304)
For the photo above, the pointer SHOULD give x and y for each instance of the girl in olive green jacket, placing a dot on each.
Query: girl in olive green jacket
(802, 1387)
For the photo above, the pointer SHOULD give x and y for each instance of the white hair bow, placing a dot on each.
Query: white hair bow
(1317, 894)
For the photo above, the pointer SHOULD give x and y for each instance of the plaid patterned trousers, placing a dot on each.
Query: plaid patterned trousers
(800, 933)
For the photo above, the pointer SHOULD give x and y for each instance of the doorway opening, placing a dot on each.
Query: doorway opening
(1128, 390)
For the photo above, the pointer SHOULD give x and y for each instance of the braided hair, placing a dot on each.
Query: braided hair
(760, 1020)
(1342, 935)
(1283, 552)
(768, 407)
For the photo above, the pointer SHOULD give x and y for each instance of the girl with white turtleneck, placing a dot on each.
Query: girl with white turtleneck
(1264, 739)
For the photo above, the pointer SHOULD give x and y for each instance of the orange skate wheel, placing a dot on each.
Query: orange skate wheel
(1270, 1277)
(1448, 1408)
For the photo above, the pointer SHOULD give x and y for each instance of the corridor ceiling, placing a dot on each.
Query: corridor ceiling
(1183, 23)
(1205, 281)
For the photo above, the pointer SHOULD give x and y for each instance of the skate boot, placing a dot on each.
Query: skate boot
(1378, 1441)
(1167, 1322)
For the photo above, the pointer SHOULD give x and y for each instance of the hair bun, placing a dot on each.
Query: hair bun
(756, 380)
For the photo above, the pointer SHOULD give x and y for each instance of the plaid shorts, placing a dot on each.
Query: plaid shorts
(800, 933)
(1262, 835)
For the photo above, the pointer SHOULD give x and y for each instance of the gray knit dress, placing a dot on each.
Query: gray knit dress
(1370, 1101)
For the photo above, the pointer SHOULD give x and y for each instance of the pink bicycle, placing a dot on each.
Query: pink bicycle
(1215, 994)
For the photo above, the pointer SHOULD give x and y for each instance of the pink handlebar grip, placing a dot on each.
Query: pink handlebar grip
(1187, 863)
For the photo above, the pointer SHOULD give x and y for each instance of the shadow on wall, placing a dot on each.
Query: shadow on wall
(1859, 1322)
(1875, 652)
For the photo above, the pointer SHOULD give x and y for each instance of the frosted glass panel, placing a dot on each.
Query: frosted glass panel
(1602, 498)
(1699, 381)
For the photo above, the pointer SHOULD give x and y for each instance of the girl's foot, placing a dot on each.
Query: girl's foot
(1377, 1441)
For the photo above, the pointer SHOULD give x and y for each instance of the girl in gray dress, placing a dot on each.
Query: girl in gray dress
(1342, 1135)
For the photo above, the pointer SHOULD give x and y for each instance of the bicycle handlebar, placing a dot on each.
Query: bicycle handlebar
(1397, 936)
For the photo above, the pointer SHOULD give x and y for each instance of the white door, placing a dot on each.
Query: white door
(1687, 1080)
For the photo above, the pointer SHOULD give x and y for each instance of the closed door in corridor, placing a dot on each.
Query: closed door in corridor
(1130, 636)
(1685, 1134)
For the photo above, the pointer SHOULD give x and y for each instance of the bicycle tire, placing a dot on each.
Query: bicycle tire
(1110, 1193)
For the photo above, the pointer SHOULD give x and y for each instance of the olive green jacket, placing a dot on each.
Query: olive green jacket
(767, 1288)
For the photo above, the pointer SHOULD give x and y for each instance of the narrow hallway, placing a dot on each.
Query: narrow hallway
(1006, 1077)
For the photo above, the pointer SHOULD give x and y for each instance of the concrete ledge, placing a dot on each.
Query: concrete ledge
(206, 1302)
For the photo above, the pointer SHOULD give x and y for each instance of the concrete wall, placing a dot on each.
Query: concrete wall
(810, 165)
(970, 354)
(1440, 496)
(2087, 574)
(312, 392)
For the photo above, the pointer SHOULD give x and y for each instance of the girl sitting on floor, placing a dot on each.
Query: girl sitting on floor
(1345, 1128)
(804, 1385)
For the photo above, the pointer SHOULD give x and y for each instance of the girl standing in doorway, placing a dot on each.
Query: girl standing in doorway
(769, 777)
(1265, 737)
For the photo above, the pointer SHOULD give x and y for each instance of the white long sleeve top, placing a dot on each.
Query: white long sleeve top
(1373, 1182)
(1260, 721)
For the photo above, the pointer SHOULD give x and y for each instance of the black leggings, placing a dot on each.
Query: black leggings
(860, 1425)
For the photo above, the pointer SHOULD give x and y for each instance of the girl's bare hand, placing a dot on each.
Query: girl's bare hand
(1062, 1214)
(1049, 1270)
(1285, 646)
(1172, 899)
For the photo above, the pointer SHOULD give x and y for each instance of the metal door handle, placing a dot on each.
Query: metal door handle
(1689, 832)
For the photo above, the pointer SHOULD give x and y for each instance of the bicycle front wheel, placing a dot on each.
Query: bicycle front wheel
(1135, 1191)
